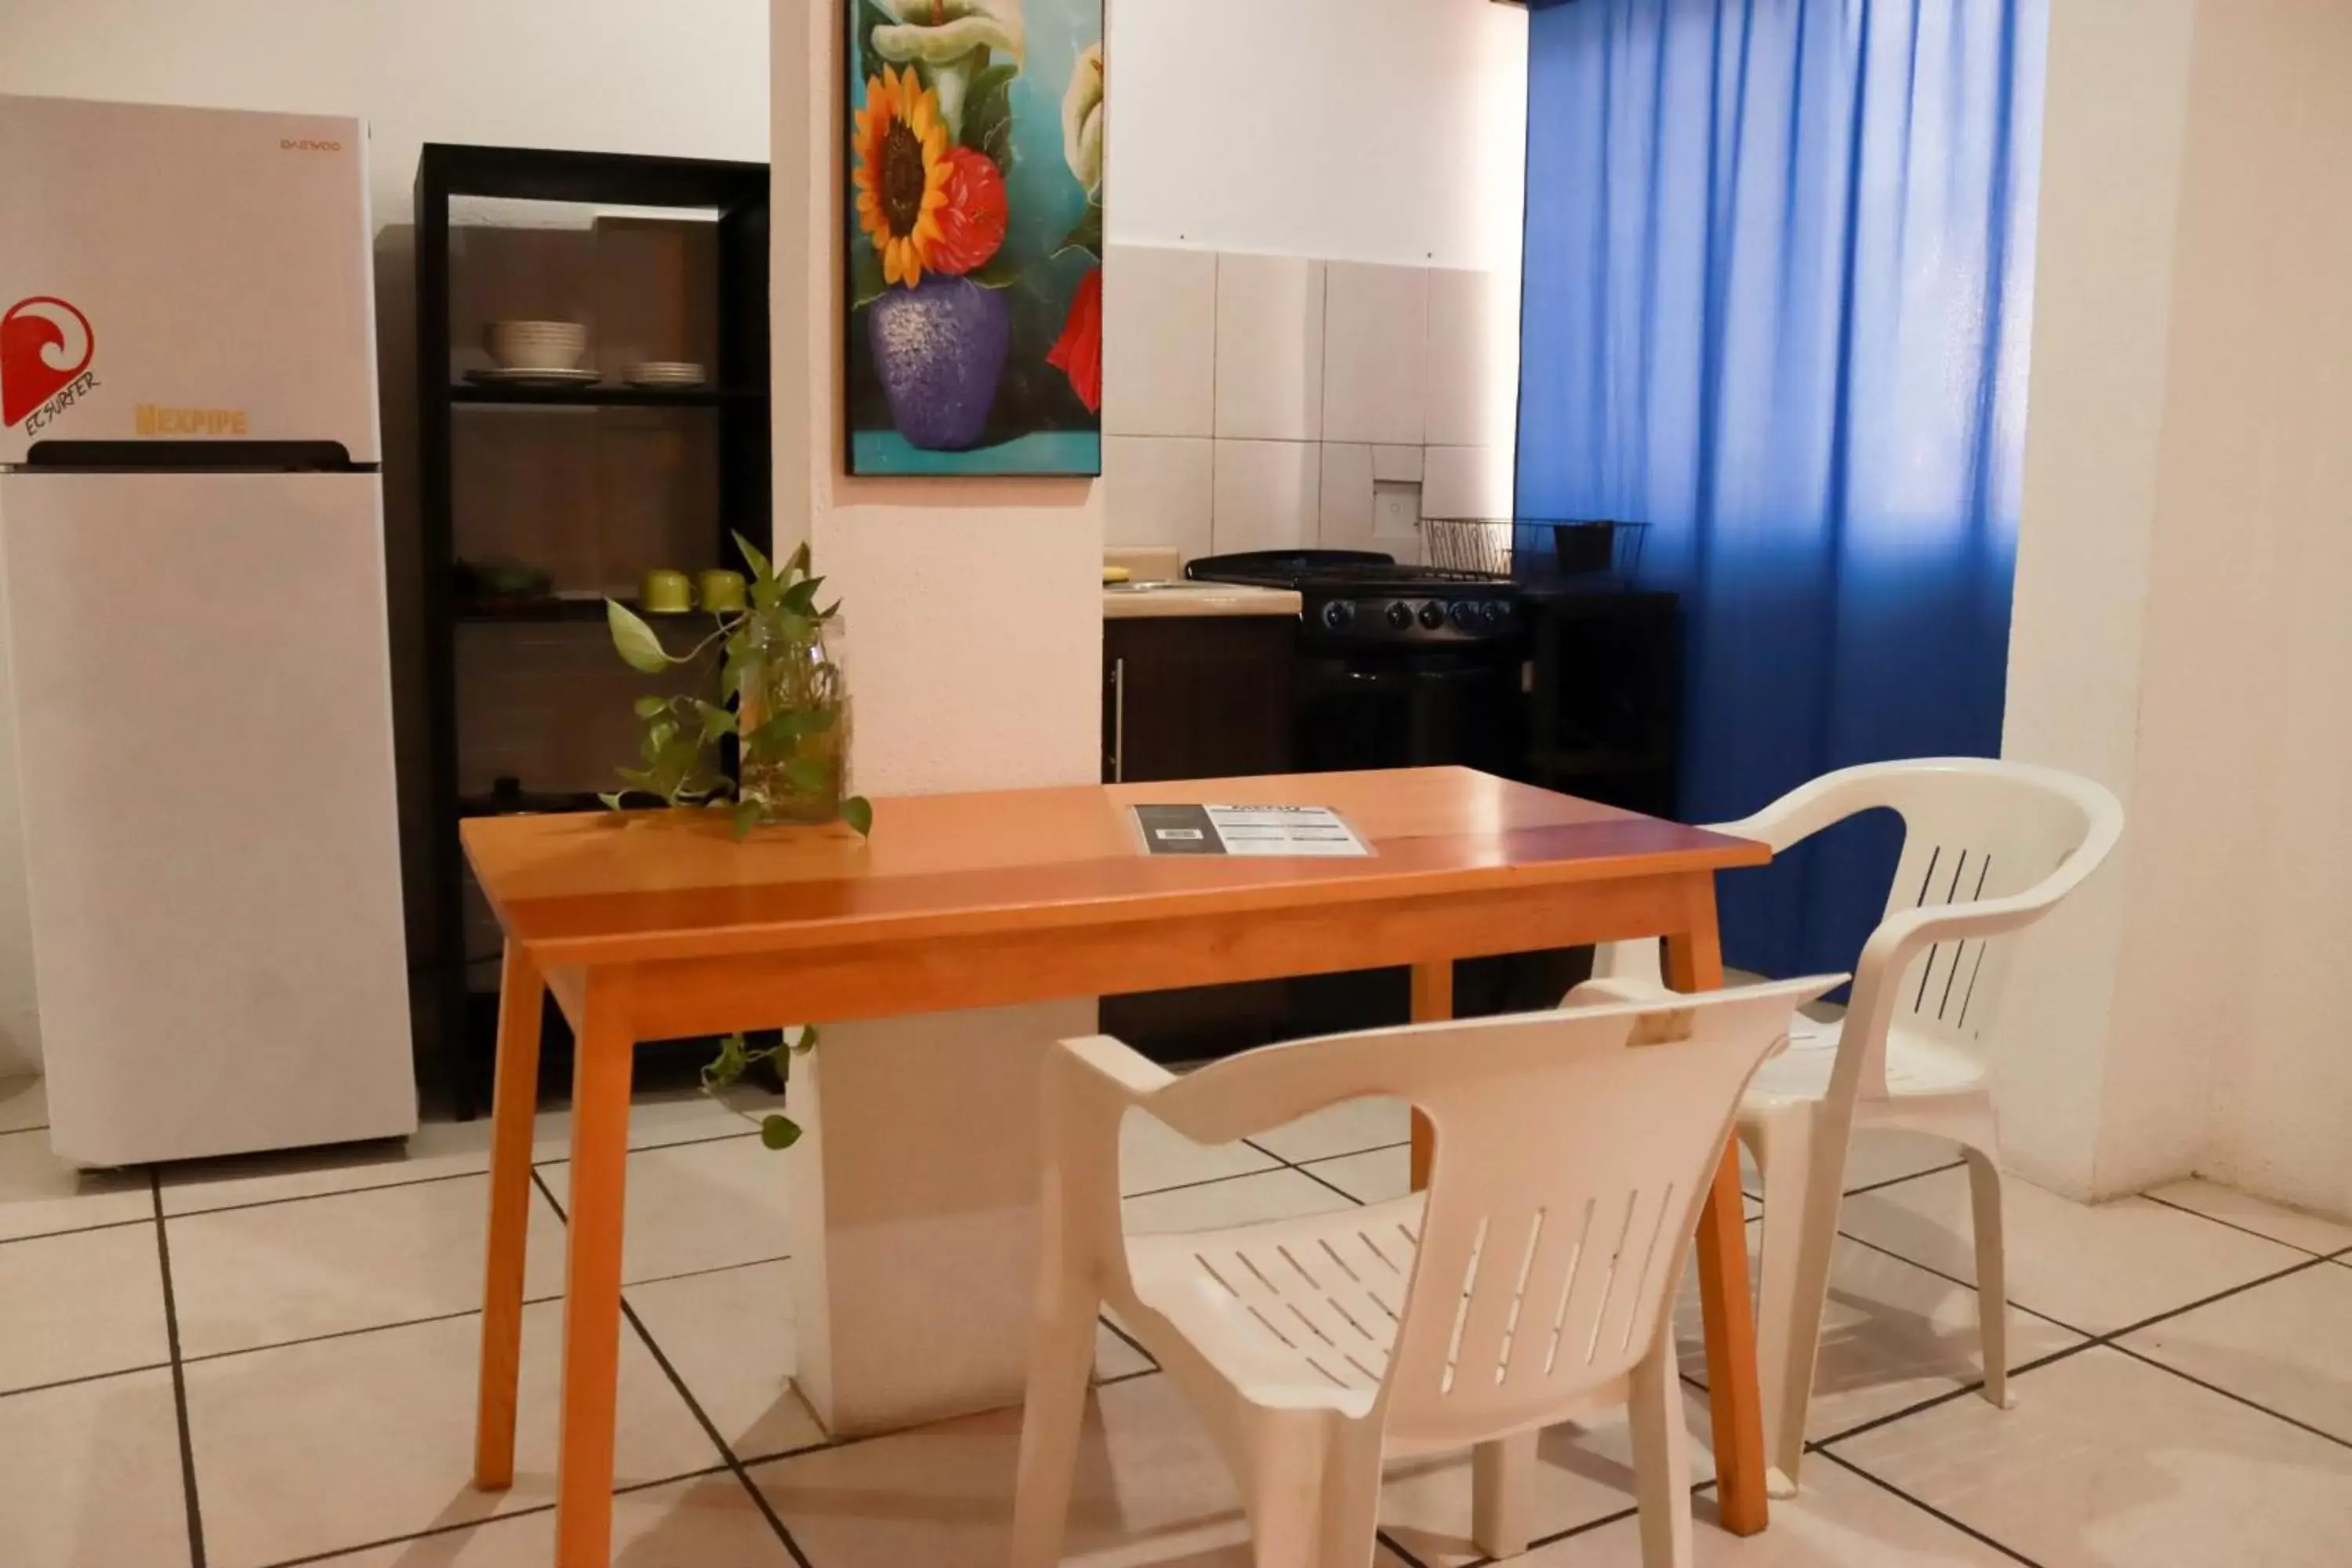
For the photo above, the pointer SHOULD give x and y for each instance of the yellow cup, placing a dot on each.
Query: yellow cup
(721, 592)
(667, 592)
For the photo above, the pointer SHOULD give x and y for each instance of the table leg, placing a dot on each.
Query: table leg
(1432, 1003)
(592, 1301)
(520, 997)
(1695, 963)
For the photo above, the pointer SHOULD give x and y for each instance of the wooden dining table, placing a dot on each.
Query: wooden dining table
(921, 1160)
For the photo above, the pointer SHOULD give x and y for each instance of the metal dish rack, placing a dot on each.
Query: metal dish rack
(1498, 546)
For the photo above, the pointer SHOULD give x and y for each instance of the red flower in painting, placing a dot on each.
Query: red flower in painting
(1078, 355)
(971, 221)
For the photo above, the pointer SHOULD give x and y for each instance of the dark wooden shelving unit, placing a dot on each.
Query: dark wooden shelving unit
(736, 195)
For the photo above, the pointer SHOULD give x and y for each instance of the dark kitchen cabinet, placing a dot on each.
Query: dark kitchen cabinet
(1197, 697)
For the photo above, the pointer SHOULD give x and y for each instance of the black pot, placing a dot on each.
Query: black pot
(1584, 548)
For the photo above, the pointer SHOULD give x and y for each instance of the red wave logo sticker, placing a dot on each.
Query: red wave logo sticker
(44, 344)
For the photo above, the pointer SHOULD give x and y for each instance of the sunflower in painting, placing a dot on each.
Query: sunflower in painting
(902, 174)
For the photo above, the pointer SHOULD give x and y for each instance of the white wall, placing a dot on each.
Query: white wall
(687, 80)
(2179, 631)
(1389, 131)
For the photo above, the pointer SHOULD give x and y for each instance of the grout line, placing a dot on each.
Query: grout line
(709, 1428)
(2226, 1393)
(1122, 1377)
(1930, 1403)
(2014, 1305)
(179, 1377)
(1398, 1549)
(1129, 1340)
(79, 1230)
(2307, 1264)
(11, 1132)
(1206, 1182)
(1968, 1530)
(1591, 1525)
(2248, 1231)
(1890, 1181)
(1334, 1186)
(86, 1378)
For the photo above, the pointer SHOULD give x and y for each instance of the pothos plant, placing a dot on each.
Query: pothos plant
(782, 698)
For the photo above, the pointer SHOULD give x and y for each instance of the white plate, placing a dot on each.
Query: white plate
(528, 377)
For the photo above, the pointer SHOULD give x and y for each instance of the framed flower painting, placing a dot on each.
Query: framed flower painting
(975, 237)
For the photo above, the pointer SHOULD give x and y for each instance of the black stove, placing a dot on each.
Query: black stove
(1353, 598)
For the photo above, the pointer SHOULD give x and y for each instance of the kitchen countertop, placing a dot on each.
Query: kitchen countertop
(1156, 600)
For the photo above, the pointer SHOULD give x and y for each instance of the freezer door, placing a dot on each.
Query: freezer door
(204, 756)
(183, 274)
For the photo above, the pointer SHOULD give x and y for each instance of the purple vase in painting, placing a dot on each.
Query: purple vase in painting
(940, 348)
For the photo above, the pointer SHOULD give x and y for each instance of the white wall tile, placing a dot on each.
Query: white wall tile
(1375, 347)
(1473, 380)
(1397, 465)
(1265, 495)
(1467, 481)
(1158, 491)
(1269, 348)
(1346, 501)
(1160, 326)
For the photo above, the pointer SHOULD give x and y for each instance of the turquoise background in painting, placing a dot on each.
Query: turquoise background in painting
(1047, 452)
(1045, 201)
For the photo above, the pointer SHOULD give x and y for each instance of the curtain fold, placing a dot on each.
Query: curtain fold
(1779, 288)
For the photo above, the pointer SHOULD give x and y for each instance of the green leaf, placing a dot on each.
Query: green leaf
(639, 648)
(717, 721)
(988, 114)
(766, 595)
(1002, 272)
(829, 611)
(867, 283)
(611, 799)
(809, 773)
(858, 812)
(752, 558)
(649, 706)
(779, 1131)
(748, 815)
(791, 725)
(798, 566)
(807, 1042)
(801, 597)
(1088, 236)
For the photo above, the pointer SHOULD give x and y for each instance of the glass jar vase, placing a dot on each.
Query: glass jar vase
(793, 723)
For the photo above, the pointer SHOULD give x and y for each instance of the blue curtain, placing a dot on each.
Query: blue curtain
(1778, 283)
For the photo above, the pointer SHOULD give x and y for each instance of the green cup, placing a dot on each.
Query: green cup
(667, 592)
(721, 593)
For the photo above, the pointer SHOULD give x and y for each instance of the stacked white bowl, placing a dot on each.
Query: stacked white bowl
(536, 345)
(664, 372)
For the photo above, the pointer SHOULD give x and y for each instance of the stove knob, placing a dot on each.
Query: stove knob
(1498, 614)
(1339, 615)
(1465, 615)
(1432, 615)
(1400, 617)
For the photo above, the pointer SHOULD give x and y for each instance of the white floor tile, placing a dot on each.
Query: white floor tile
(1840, 1521)
(1584, 1472)
(1375, 1176)
(1245, 1200)
(2095, 1269)
(1893, 1335)
(244, 1278)
(337, 1444)
(2286, 1345)
(90, 1476)
(1150, 1488)
(79, 1305)
(730, 1336)
(23, 1104)
(40, 1195)
(440, 1149)
(1348, 1129)
(693, 1206)
(709, 1523)
(2108, 1462)
(1152, 1155)
(1114, 1357)
(2310, 1232)
(1880, 1154)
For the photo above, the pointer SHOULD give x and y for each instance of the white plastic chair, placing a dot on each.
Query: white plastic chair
(1988, 848)
(1534, 1279)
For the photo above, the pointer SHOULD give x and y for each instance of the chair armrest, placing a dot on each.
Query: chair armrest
(1119, 1065)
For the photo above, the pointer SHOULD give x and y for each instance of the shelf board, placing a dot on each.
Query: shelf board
(604, 397)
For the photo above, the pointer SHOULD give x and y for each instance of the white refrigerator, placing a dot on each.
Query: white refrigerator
(203, 880)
